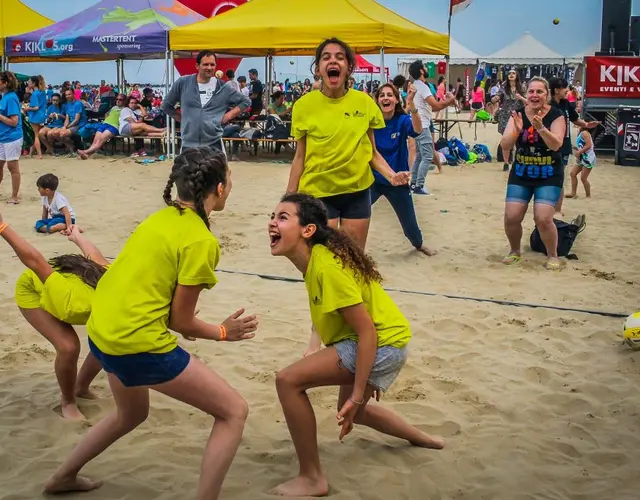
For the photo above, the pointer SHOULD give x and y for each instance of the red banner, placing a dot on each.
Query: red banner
(617, 77)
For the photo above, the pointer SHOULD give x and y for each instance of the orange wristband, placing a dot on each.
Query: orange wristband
(223, 332)
(3, 226)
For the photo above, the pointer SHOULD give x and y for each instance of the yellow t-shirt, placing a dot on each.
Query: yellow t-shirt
(338, 148)
(63, 295)
(332, 287)
(132, 302)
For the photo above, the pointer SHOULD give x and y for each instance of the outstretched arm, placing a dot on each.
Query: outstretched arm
(26, 252)
(88, 249)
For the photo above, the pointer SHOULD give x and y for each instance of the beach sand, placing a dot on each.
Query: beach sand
(534, 403)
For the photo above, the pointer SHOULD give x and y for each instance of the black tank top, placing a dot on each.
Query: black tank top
(535, 164)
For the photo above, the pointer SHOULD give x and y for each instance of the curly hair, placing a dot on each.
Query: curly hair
(312, 211)
(87, 270)
(196, 173)
(10, 79)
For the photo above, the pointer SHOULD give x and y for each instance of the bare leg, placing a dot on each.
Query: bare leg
(543, 216)
(88, 372)
(584, 177)
(132, 409)
(36, 141)
(67, 345)
(513, 215)
(64, 136)
(98, 141)
(574, 181)
(14, 170)
(201, 388)
(1, 170)
(387, 422)
(436, 159)
(411, 143)
(358, 229)
(44, 131)
(56, 228)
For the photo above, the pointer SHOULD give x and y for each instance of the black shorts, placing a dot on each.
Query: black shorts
(477, 105)
(349, 206)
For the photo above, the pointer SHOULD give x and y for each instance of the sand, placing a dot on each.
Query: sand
(535, 403)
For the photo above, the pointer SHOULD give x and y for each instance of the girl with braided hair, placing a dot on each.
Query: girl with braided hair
(151, 288)
(365, 333)
(53, 295)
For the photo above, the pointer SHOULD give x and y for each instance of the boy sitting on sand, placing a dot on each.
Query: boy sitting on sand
(57, 213)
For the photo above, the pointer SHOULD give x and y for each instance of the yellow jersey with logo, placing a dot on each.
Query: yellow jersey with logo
(338, 149)
(132, 301)
(331, 287)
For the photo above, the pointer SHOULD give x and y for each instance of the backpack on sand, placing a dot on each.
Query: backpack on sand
(567, 233)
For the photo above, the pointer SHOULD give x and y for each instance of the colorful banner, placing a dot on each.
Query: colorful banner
(118, 27)
(611, 76)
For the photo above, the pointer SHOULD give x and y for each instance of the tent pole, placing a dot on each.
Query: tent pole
(447, 61)
(167, 142)
(382, 74)
(173, 122)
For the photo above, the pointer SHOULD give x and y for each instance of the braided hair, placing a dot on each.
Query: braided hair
(312, 211)
(196, 174)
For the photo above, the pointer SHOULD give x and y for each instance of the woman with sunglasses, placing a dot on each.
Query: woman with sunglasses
(106, 130)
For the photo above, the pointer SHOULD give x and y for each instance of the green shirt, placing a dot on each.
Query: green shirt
(113, 117)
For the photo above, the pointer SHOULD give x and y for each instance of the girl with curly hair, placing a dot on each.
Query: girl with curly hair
(365, 333)
(152, 288)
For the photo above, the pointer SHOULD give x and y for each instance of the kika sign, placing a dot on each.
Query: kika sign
(617, 77)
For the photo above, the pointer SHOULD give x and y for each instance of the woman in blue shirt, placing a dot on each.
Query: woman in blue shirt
(391, 141)
(54, 121)
(37, 110)
(10, 132)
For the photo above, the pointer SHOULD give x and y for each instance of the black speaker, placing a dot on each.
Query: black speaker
(616, 18)
(634, 37)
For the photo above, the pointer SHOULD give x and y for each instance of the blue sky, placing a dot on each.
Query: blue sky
(486, 26)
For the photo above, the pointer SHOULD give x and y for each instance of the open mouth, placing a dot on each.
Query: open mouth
(274, 238)
(386, 104)
(333, 74)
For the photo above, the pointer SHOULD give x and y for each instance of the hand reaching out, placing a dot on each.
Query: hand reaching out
(239, 327)
(517, 122)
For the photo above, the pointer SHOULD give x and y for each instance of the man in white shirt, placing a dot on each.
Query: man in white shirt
(242, 81)
(426, 104)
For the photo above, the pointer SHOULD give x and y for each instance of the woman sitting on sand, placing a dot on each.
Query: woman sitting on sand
(132, 124)
(537, 171)
(365, 333)
(54, 295)
(392, 143)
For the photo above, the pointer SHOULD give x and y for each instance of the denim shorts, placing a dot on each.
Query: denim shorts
(386, 367)
(144, 368)
(49, 223)
(349, 205)
(545, 195)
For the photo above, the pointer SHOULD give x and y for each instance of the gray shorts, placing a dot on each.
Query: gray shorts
(386, 367)
(125, 131)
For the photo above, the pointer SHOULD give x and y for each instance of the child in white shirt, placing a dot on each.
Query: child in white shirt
(57, 213)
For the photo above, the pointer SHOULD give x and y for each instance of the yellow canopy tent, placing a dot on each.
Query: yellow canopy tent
(297, 27)
(16, 18)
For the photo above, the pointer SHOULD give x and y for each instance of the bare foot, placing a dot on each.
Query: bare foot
(76, 483)
(302, 487)
(553, 264)
(85, 394)
(13, 201)
(570, 195)
(427, 441)
(83, 155)
(430, 252)
(560, 213)
(71, 411)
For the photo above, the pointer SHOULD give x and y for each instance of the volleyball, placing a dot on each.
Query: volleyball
(292, 62)
(631, 331)
(556, 21)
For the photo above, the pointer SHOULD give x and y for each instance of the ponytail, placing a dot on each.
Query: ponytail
(86, 269)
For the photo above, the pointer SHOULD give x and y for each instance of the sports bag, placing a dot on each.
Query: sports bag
(567, 233)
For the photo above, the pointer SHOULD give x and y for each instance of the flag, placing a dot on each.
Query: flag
(458, 6)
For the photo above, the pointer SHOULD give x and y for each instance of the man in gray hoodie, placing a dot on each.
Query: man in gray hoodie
(206, 105)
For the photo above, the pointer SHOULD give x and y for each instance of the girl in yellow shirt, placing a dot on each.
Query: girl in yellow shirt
(54, 295)
(336, 148)
(365, 333)
(151, 288)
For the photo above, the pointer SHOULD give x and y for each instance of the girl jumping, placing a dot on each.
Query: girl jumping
(151, 288)
(335, 144)
(585, 163)
(54, 295)
(365, 333)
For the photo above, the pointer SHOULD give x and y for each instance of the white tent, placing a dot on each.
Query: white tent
(579, 57)
(525, 50)
(459, 54)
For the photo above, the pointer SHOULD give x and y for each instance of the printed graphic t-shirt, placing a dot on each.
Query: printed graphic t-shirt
(391, 141)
